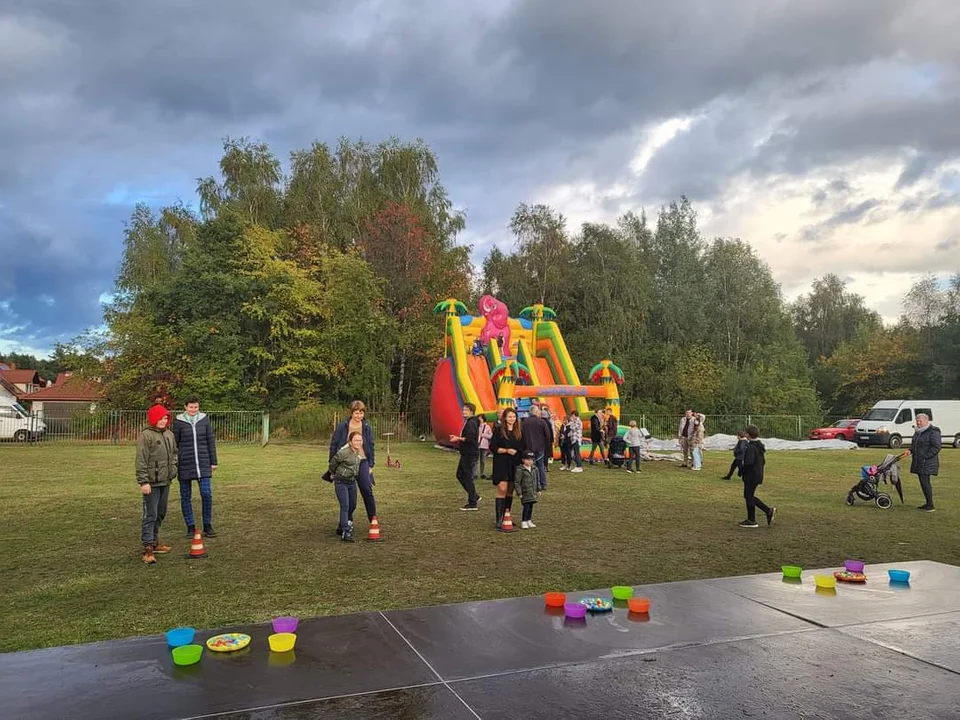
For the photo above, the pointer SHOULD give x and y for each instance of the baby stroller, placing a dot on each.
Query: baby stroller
(617, 452)
(870, 478)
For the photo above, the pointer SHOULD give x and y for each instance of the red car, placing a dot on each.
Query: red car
(841, 430)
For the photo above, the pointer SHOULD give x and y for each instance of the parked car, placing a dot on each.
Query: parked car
(17, 424)
(841, 430)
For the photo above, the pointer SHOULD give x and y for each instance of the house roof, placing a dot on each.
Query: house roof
(10, 387)
(72, 389)
(23, 377)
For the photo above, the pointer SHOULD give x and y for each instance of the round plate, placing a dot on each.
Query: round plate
(228, 642)
(847, 576)
(596, 604)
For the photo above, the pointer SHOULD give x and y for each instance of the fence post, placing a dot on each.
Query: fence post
(799, 428)
(749, 420)
(265, 431)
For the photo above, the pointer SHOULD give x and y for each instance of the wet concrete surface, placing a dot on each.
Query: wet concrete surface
(521, 633)
(733, 647)
(934, 588)
(804, 675)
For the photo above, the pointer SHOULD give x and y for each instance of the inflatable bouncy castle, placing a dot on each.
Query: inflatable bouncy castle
(496, 361)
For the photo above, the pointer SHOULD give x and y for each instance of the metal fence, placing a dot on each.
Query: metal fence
(316, 425)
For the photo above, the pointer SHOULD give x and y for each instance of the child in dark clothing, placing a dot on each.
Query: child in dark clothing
(738, 451)
(526, 483)
(754, 460)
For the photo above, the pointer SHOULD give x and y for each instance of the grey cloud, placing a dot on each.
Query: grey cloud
(853, 214)
(947, 244)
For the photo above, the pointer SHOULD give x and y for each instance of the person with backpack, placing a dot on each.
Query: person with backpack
(754, 461)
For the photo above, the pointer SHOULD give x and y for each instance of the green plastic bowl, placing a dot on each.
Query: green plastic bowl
(792, 571)
(622, 592)
(187, 654)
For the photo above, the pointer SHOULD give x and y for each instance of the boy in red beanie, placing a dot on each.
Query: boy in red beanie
(156, 469)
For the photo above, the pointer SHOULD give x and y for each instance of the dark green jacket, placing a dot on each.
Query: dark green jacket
(525, 481)
(345, 465)
(156, 457)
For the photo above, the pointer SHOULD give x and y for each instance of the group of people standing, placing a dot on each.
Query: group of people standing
(167, 449)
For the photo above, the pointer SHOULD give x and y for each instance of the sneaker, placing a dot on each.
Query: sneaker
(530, 524)
(577, 470)
(161, 549)
(468, 507)
(209, 532)
(147, 557)
(748, 524)
(927, 508)
(190, 531)
(562, 468)
(524, 525)
(630, 471)
(771, 515)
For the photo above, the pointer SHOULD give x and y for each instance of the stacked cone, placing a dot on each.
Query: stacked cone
(507, 524)
(374, 535)
(197, 550)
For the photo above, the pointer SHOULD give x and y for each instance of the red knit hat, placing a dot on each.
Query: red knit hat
(155, 413)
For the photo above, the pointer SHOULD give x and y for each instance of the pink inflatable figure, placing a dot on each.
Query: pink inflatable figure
(497, 326)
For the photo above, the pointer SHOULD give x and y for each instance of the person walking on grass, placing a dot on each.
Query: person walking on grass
(468, 443)
(738, 451)
(525, 480)
(357, 422)
(754, 460)
(634, 439)
(539, 439)
(507, 446)
(925, 457)
(156, 468)
(197, 451)
(344, 471)
(596, 436)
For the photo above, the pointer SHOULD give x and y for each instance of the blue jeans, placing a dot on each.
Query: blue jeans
(365, 485)
(347, 497)
(634, 457)
(541, 463)
(697, 458)
(206, 501)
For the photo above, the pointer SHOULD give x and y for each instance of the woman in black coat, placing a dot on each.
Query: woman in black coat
(507, 446)
(925, 457)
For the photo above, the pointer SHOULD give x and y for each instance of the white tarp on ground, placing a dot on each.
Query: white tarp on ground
(727, 442)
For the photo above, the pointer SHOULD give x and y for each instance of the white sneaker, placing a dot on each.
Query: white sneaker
(562, 468)
(524, 525)
(530, 525)
(577, 469)
(630, 471)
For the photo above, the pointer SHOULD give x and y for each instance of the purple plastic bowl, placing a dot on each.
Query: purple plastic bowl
(854, 566)
(285, 624)
(575, 610)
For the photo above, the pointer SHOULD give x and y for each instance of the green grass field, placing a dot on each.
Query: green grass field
(71, 573)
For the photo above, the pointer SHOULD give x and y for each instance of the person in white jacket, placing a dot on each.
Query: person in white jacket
(634, 439)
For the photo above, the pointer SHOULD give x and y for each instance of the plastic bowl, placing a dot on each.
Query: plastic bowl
(622, 592)
(575, 610)
(285, 624)
(792, 571)
(282, 642)
(825, 581)
(187, 654)
(854, 566)
(180, 636)
(639, 605)
(555, 599)
(899, 576)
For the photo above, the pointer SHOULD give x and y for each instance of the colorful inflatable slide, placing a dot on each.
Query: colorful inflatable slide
(495, 361)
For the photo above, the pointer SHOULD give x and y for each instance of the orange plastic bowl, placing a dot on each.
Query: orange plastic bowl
(639, 604)
(555, 599)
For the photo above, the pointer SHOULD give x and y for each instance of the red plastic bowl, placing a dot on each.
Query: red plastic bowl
(639, 604)
(555, 599)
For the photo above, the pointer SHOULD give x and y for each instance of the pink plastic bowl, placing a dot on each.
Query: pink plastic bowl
(575, 610)
(854, 566)
(285, 624)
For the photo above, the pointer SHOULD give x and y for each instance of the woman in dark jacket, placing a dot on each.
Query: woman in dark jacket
(357, 423)
(925, 457)
(507, 446)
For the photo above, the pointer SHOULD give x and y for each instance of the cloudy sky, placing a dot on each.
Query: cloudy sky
(825, 133)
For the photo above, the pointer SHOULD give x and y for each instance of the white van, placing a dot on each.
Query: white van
(891, 423)
(17, 424)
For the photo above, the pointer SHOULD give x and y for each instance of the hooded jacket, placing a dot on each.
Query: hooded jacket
(156, 460)
(196, 446)
(925, 451)
(754, 459)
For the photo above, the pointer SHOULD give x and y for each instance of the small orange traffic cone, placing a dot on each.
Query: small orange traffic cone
(196, 547)
(374, 535)
(507, 525)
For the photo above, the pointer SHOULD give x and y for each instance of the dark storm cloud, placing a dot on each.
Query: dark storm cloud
(108, 102)
(852, 214)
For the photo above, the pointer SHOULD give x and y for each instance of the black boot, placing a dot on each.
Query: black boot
(499, 512)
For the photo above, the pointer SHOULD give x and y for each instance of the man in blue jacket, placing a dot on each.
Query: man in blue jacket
(197, 459)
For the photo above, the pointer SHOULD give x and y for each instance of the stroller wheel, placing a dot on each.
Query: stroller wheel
(884, 501)
(850, 499)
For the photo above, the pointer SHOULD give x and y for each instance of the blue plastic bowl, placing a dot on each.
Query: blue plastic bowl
(899, 576)
(180, 636)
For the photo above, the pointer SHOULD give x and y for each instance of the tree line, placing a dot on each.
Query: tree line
(317, 285)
